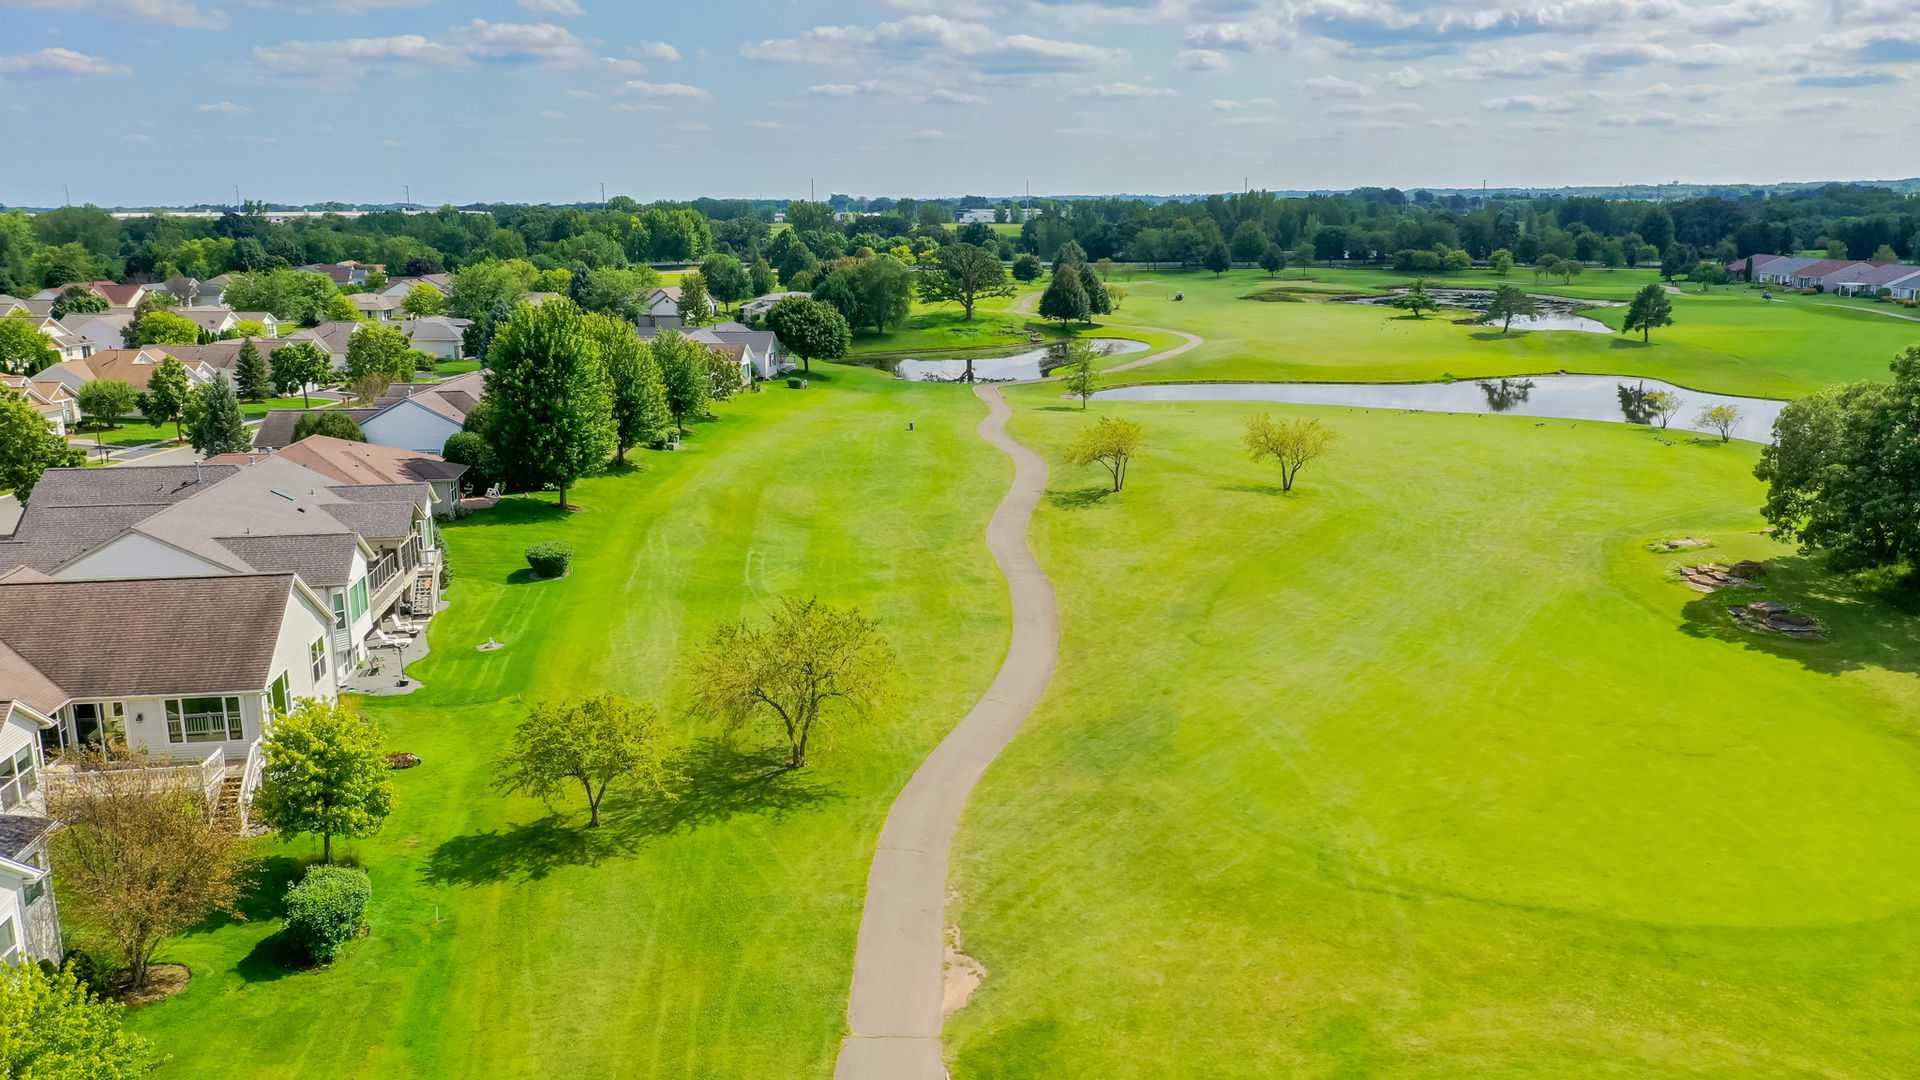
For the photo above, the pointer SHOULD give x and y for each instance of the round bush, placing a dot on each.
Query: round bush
(796, 382)
(550, 558)
(325, 910)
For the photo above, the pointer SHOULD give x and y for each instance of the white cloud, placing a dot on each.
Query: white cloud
(769, 125)
(1406, 78)
(637, 88)
(353, 57)
(349, 8)
(1871, 11)
(1372, 110)
(1211, 60)
(1122, 90)
(933, 38)
(1450, 122)
(692, 127)
(136, 138)
(1226, 105)
(1240, 121)
(627, 106)
(1825, 105)
(55, 64)
(1250, 35)
(159, 12)
(930, 135)
(552, 7)
(1332, 86)
(658, 50)
(864, 88)
(1597, 59)
(1542, 103)
(1646, 118)
(391, 142)
(225, 107)
(583, 95)
(1376, 125)
(952, 97)
(542, 43)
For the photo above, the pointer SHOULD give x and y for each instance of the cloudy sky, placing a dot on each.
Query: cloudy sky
(176, 101)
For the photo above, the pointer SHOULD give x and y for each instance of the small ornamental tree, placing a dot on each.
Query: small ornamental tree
(808, 668)
(77, 299)
(1662, 403)
(593, 744)
(220, 427)
(53, 1027)
(1292, 444)
(28, 447)
(324, 775)
(810, 329)
(550, 415)
(1501, 262)
(327, 908)
(299, 367)
(424, 300)
(1027, 267)
(24, 350)
(329, 422)
(1417, 300)
(1721, 418)
(694, 306)
(1510, 302)
(1079, 375)
(165, 402)
(1217, 259)
(1273, 259)
(341, 308)
(104, 401)
(1066, 298)
(1110, 443)
(1650, 307)
(250, 377)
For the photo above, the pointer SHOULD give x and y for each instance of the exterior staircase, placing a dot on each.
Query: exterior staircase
(226, 810)
(422, 600)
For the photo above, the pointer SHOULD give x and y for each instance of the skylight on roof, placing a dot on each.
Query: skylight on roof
(282, 494)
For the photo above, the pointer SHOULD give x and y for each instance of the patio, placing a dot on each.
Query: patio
(384, 674)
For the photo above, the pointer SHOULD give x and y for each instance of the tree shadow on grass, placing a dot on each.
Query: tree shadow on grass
(272, 958)
(1864, 627)
(718, 781)
(1059, 408)
(1256, 489)
(524, 852)
(1082, 499)
(1495, 335)
(1628, 343)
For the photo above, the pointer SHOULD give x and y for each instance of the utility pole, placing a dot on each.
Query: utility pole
(68, 193)
(603, 194)
(408, 188)
(809, 189)
(236, 198)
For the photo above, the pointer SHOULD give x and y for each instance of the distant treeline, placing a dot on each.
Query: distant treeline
(1369, 224)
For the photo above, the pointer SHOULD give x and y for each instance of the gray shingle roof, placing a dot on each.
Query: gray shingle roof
(377, 520)
(326, 559)
(19, 831)
(219, 636)
(277, 429)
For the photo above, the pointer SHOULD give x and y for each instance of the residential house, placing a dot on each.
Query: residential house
(757, 351)
(105, 329)
(114, 293)
(1737, 269)
(365, 550)
(220, 320)
(661, 308)
(224, 356)
(968, 217)
(342, 273)
(51, 399)
(412, 416)
(365, 463)
(134, 366)
(11, 304)
(69, 345)
(1906, 288)
(1817, 273)
(331, 336)
(758, 308)
(378, 306)
(399, 287)
(1870, 278)
(29, 919)
(437, 335)
(1780, 270)
(188, 292)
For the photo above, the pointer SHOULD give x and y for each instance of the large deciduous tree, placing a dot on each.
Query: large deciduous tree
(640, 413)
(1291, 444)
(1650, 307)
(325, 775)
(727, 281)
(331, 423)
(550, 419)
(885, 287)
(478, 287)
(810, 329)
(165, 402)
(104, 401)
(963, 274)
(380, 350)
(24, 350)
(594, 743)
(809, 666)
(77, 299)
(1066, 298)
(299, 367)
(424, 300)
(162, 327)
(687, 383)
(694, 306)
(1111, 443)
(1417, 300)
(28, 446)
(139, 860)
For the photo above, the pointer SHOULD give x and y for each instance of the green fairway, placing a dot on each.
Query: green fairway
(1426, 769)
(1727, 341)
(708, 936)
(996, 328)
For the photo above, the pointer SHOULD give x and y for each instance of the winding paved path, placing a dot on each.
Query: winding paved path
(893, 1011)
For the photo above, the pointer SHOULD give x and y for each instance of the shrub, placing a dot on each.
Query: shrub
(331, 422)
(325, 910)
(550, 558)
(467, 448)
(796, 382)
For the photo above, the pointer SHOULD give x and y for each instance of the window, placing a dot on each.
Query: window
(206, 719)
(278, 694)
(339, 611)
(9, 943)
(35, 890)
(18, 779)
(317, 660)
(357, 598)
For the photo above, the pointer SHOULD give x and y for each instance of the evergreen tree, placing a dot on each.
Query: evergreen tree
(222, 428)
(1217, 259)
(683, 371)
(479, 334)
(551, 414)
(1096, 291)
(640, 413)
(1065, 298)
(250, 372)
(1650, 307)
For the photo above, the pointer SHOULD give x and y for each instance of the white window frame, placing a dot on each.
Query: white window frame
(317, 660)
(232, 728)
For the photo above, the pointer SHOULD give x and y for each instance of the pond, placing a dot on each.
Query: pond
(1556, 312)
(1021, 365)
(1561, 397)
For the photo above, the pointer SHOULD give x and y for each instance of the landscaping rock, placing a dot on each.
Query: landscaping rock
(1782, 622)
(1768, 607)
(1747, 568)
(1804, 635)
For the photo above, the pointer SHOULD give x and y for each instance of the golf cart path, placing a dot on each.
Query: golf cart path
(1025, 305)
(894, 1009)
(1870, 311)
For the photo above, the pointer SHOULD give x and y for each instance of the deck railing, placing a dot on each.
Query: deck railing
(206, 775)
(250, 775)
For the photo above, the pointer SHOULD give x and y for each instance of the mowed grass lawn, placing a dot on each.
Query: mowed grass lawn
(710, 935)
(1427, 770)
(1727, 341)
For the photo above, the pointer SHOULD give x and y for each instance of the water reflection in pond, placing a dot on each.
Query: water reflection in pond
(1556, 312)
(1021, 365)
(1564, 397)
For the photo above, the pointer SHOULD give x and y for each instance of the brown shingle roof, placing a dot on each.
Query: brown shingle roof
(219, 637)
(361, 463)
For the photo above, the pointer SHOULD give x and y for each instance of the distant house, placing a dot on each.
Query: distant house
(133, 366)
(757, 351)
(11, 304)
(968, 217)
(365, 463)
(1906, 288)
(106, 329)
(189, 292)
(1780, 270)
(661, 308)
(758, 308)
(112, 292)
(377, 306)
(223, 356)
(332, 337)
(1818, 272)
(1870, 278)
(419, 417)
(342, 273)
(438, 335)
(399, 287)
(1737, 269)
(50, 398)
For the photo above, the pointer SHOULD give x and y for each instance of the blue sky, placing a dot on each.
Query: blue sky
(175, 101)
